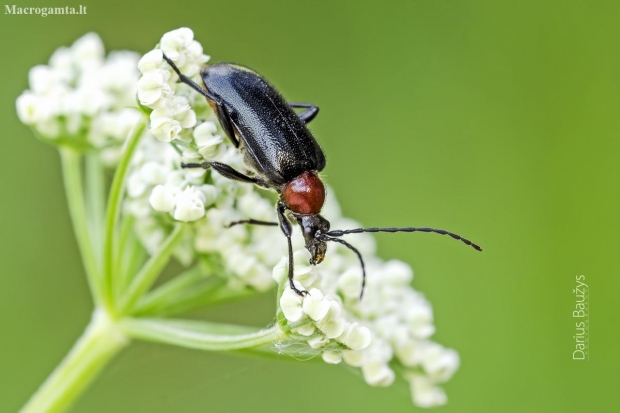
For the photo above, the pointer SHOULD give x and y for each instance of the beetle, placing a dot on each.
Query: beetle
(283, 154)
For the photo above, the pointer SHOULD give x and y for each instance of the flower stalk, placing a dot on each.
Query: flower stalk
(99, 343)
(113, 212)
(72, 176)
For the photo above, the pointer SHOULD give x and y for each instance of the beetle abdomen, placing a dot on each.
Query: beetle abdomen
(278, 143)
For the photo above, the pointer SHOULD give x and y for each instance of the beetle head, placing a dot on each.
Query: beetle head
(311, 227)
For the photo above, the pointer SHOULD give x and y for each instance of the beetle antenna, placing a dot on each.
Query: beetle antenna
(189, 82)
(352, 248)
(339, 233)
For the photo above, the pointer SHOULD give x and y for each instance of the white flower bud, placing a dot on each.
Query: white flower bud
(332, 325)
(353, 358)
(187, 119)
(151, 61)
(425, 393)
(29, 108)
(439, 363)
(290, 304)
(280, 271)
(88, 51)
(163, 198)
(190, 205)
(377, 373)
(165, 129)
(42, 78)
(356, 337)
(50, 128)
(331, 357)
(150, 87)
(315, 305)
(173, 42)
(305, 330)
(208, 143)
(350, 283)
(318, 342)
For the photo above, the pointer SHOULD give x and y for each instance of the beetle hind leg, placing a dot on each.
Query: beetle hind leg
(308, 114)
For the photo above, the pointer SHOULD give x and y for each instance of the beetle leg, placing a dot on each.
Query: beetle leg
(227, 171)
(287, 229)
(307, 115)
(251, 222)
(190, 82)
(222, 113)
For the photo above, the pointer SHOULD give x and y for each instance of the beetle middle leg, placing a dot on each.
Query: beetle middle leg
(307, 115)
(227, 171)
(252, 222)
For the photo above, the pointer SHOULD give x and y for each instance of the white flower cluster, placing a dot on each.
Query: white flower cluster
(83, 97)
(158, 88)
(393, 322)
(392, 325)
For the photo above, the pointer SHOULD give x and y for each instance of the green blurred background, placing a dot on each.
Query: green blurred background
(498, 120)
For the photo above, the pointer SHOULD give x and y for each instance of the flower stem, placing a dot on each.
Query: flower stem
(72, 175)
(200, 335)
(95, 202)
(101, 341)
(149, 272)
(113, 209)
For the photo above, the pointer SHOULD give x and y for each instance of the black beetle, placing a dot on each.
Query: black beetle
(284, 155)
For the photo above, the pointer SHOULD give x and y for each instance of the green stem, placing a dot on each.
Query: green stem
(191, 299)
(162, 294)
(72, 175)
(148, 274)
(95, 202)
(129, 255)
(114, 206)
(199, 334)
(101, 341)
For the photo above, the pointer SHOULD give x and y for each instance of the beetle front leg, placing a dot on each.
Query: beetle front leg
(189, 82)
(287, 229)
(307, 115)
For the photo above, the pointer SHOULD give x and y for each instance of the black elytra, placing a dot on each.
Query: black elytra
(283, 154)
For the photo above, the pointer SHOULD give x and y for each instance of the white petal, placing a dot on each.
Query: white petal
(318, 342)
(150, 87)
(163, 198)
(305, 330)
(151, 61)
(290, 303)
(350, 283)
(315, 305)
(190, 206)
(357, 337)
(333, 328)
(29, 108)
(425, 393)
(165, 129)
(42, 78)
(353, 358)
(377, 373)
(280, 271)
(331, 357)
